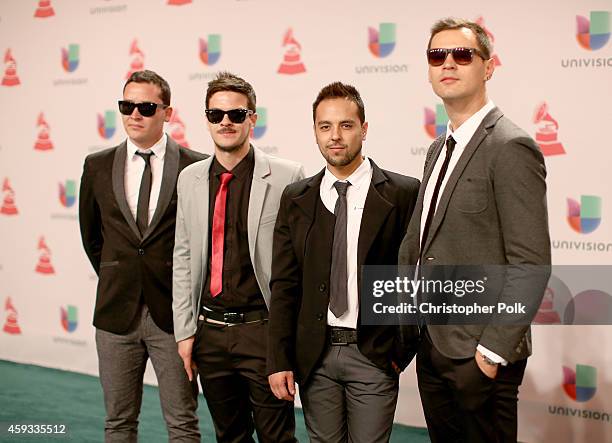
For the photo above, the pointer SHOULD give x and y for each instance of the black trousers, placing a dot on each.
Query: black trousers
(461, 403)
(231, 362)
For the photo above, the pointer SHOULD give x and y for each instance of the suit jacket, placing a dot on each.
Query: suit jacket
(130, 266)
(270, 176)
(492, 212)
(301, 272)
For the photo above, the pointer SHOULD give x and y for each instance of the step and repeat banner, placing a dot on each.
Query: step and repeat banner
(64, 66)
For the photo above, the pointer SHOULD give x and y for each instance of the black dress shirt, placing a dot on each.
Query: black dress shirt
(240, 292)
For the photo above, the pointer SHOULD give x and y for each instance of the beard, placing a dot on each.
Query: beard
(341, 160)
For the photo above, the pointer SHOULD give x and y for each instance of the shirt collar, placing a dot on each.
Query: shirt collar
(466, 131)
(358, 178)
(159, 148)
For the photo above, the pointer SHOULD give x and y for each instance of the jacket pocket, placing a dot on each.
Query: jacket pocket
(106, 264)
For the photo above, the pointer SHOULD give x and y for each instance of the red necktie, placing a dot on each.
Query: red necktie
(218, 236)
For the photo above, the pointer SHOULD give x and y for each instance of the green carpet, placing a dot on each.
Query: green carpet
(32, 394)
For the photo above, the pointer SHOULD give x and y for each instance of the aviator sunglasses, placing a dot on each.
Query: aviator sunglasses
(146, 109)
(235, 115)
(462, 56)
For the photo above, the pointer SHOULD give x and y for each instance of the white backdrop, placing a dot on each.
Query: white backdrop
(65, 63)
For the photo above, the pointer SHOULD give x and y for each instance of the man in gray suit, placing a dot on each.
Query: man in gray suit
(482, 202)
(227, 207)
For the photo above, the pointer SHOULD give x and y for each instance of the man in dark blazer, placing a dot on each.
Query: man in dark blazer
(127, 212)
(350, 214)
(482, 202)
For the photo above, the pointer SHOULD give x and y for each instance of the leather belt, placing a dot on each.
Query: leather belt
(342, 336)
(233, 318)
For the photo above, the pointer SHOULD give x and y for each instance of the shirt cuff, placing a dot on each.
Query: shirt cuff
(491, 355)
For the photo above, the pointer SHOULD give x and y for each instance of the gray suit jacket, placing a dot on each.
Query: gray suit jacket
(270, 176)
(492, 212)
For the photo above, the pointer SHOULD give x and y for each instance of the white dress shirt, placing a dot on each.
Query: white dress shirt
(462, 137)
(134, 167)
(355, 198)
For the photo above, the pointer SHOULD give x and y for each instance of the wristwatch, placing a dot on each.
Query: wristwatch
(488, 361)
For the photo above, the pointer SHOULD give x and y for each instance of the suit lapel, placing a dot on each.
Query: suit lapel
(259, 188)
(119, 187)
(375, 212)
(201, 194)
(307, 202)
(418, 209)
(168, 184)
(476, 141)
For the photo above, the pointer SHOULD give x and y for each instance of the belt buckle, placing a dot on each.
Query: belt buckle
(233, 317)
(337, 335)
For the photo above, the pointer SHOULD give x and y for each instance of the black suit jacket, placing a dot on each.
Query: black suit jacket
(129, 265)
(301, 266)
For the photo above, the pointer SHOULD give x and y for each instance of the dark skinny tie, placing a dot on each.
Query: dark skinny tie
(142, 210)
(450, 145)
(338, 301)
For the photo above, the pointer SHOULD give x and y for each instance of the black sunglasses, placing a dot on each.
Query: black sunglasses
(462, 56)
(146, 109)
(235, 115)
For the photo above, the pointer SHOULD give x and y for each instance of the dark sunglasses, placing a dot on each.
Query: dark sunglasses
(462, 56)
(146, 109)
(235, 115)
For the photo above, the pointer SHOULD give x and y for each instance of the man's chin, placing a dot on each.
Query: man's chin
(230, 148)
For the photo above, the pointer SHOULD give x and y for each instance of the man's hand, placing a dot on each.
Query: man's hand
(282, 385)
(486, 368)
(185, 349)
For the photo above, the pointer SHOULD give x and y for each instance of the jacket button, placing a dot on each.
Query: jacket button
(322, 287)
(141, 252)
(320, 317)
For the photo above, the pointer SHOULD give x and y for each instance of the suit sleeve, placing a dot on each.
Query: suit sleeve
(182, 312)
(90, 220)
(285, 285)
(407, 339)
(520, 193)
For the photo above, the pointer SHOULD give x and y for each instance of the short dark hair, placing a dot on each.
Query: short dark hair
(147, 76)
(340, 90)
(449, 23)
(226, 81)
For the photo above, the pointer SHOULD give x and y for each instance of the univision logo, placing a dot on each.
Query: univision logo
(67, 193)
(581, 384)
(436, 122)
(210, 50)
(593, 34)
(70, 58)
(584, 217)
(381, 42)
(106, 124)
(262, 123)
(69, 318)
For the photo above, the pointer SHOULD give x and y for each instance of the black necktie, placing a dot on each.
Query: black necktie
(450, 145)
(338, 302)
(142, 211)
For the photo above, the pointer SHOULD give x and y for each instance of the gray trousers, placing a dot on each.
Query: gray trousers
(349, 399)
(122, 361)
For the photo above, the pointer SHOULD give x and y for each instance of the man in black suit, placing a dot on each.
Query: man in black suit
(350, 214)
(482, 202)
(127, 211)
